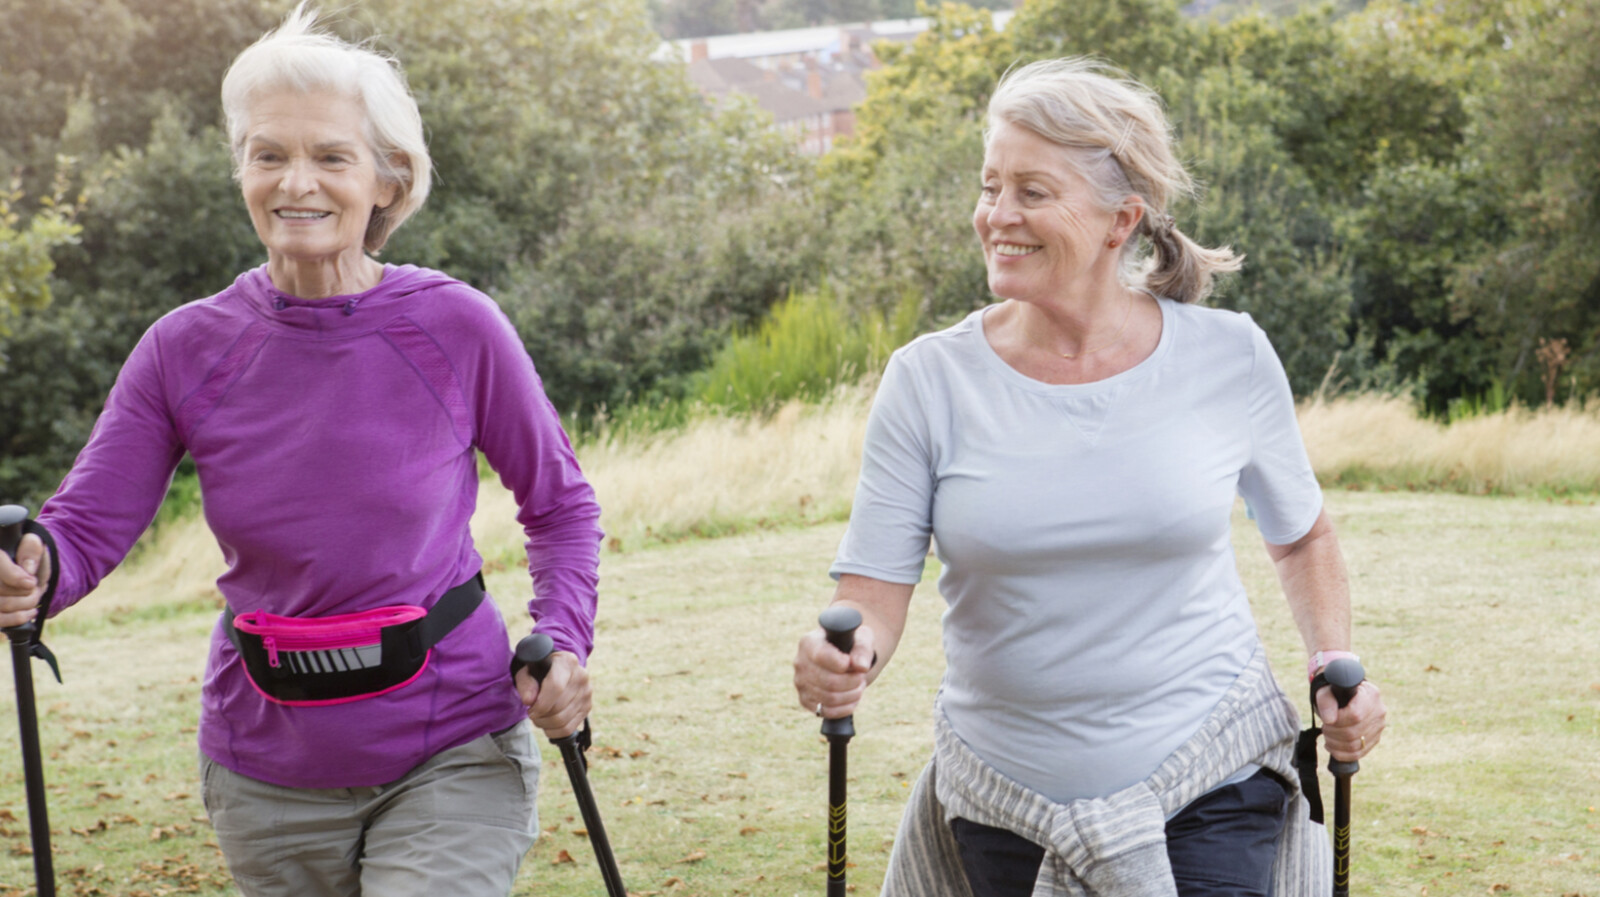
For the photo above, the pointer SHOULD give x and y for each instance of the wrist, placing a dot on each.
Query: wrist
(1323, 658)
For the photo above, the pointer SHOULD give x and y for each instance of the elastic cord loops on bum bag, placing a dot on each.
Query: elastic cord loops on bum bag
(315, 661)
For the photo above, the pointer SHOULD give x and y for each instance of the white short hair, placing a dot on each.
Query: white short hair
(298, 59)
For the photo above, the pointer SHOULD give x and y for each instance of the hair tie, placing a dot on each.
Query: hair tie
(1157, 224)
(1127, 130)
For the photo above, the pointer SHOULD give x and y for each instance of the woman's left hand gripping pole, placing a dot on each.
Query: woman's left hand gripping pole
(24, 641)
(533, 654)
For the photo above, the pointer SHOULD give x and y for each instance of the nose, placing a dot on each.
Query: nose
(1003, 210)
(299, 179)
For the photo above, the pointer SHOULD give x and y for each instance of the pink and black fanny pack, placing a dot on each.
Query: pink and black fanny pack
(316, 661)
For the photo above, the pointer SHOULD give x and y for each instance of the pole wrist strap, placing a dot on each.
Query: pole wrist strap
(1305, 754)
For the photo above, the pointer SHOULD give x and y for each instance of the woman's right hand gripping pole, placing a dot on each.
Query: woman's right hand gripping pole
(23, 581)
(830, 683)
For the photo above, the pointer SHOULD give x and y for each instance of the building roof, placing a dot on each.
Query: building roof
(819, 40)
(716, 77)
(785, 103)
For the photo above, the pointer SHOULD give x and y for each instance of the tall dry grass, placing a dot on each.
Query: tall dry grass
(722, 474)
(1382, 441)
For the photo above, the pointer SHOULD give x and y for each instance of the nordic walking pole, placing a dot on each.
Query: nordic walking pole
(534, 653)
(840, 624)
(1344, 676)
(12, 518)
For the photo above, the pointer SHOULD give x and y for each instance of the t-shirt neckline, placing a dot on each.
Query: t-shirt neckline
(992, 359)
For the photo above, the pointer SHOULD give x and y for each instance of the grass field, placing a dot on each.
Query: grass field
(1477, 615)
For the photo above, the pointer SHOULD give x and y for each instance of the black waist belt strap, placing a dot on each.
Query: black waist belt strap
(405, 647)
(452, 608)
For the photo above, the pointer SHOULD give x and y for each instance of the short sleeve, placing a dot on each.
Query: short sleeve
(1277, 482)
(891, 521)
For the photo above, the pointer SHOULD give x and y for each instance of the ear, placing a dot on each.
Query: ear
(1126, 220)
(391, 189)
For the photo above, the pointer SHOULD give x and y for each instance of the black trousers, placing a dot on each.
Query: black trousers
(1222, 845)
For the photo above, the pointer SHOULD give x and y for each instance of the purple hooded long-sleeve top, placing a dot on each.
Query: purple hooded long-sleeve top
(335, 441)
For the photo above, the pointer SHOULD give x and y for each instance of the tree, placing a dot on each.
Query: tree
(1139, 36)
(1540, 142)
(25, 248)
(1257, 199)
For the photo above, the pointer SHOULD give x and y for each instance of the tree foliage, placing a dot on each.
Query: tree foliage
(26, 247)
(1539, 148)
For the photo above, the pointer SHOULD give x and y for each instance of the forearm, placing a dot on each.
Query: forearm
(1317, 587)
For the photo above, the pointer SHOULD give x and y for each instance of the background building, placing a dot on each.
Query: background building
(809, 79)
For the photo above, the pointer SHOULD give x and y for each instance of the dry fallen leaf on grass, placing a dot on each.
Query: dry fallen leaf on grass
(562, 857)
(694, 857)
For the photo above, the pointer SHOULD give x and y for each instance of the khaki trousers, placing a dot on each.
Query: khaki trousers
(458, 824)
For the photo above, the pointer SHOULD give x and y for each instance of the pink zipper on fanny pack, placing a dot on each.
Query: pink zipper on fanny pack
(323, 633)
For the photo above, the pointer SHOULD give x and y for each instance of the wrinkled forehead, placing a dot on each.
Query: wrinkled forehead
(317, 116)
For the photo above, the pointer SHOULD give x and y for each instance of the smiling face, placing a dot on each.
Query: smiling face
(309, 178)
(1043, 231)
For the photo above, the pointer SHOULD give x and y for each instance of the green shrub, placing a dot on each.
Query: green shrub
(811, 344)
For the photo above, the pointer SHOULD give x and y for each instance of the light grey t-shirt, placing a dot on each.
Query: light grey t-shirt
(1095, 613)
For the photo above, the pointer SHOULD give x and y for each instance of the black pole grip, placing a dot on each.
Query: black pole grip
(840, 623)
(1344, 676)
(12, 517)
(533, 653)
(13, 520)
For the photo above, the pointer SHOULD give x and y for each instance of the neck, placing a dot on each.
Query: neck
(342, 275)
(1088, 324)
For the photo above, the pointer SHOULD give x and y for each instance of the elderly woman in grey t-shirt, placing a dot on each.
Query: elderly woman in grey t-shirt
(1106, 720)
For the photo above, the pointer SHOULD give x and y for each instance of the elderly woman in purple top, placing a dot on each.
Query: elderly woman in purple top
(333, 406)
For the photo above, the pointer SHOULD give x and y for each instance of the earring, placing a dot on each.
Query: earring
(1112, 243)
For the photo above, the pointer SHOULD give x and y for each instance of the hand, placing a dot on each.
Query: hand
(560, 704)
(23, 583)
(827, 678)
(1352, 731)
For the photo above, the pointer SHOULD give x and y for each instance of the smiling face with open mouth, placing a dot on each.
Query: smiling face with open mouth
(1043, 231)
(310, 180)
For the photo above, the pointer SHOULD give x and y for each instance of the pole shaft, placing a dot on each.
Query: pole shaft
(32, 767)
(1341, 835)
(572, 757)
(838, 761)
